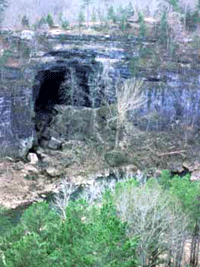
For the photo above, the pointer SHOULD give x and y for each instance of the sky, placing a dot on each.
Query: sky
(35, 9)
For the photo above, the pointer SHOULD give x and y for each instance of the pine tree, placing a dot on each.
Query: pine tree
(81, 18)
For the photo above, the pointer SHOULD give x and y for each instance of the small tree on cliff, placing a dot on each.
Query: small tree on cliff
(49, 20)
(81, 17)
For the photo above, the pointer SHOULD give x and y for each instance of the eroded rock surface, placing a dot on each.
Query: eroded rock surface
(71, 133)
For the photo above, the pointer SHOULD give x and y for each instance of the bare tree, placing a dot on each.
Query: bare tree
(71, 93)
(157, 220)
(129, 97)
(61, 199)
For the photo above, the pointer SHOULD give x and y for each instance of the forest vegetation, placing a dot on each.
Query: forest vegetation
(123, 223)
(130, 222)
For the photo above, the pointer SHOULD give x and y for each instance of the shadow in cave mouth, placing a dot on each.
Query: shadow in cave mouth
(56, 86)
(49, 92)
(46, 94)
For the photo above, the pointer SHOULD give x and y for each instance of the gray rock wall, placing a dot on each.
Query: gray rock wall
(172, 99)
(16, 125)
(169, 104)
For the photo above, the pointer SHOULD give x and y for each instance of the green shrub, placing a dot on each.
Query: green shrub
(115, 158)
(49, 20)
(32, 177)
(65, 24)
(28, 251)
(191, 20)
(165, 178)
(175, 5)
(90, 236)
(5, 222)
(4, 58)
(42, 21)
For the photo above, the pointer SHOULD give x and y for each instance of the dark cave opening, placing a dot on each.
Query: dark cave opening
(48, 93)
(62, 85)
(59, 85)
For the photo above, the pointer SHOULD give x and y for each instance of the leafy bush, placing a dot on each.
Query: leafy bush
(90, 236)
(188, 194)
(191, 20)
(5, 223)
(129, 225)
(31, 177)
(42, 21)
(115, 158)
(4, 58)
(65, 24)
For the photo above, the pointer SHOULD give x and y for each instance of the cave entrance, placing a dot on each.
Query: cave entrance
(59, 85)
(48, 93)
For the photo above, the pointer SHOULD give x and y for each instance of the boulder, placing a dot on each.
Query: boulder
(53, 171)
(32, 158)
(54, 144)
(27, 35)
(195, 176)
(18, 166)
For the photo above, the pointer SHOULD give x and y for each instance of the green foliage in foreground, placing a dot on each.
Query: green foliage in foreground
(90, 236)
(187, 192)
(5, 223)
(134, 224)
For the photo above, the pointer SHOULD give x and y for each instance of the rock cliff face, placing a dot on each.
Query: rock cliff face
(83, 71)
(58, 101)
(16, 108)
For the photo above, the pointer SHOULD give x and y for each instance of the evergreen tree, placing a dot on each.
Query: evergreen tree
(49, 20)
(81, 17)
(25, 21)
(111, 14)
(142, 24)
